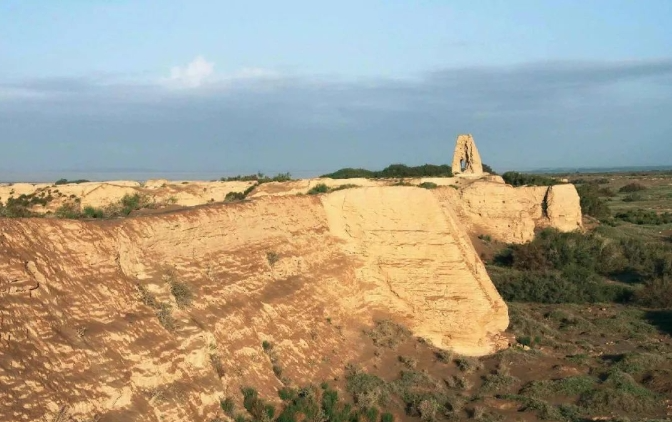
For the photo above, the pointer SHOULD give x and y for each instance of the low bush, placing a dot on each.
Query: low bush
(388, 334)
(317, 189)
(234, 196)
(91, 212)
(228, 406)
(643, 216)
(66, 181)
(633, 197)
(428, 185)
(632, 187)
(562, 268)
(656, 293)
(591, 202)
(515, 178)
(181, 293)
(488, 169)
(259, 178)
(573, 267)
(619, 392)
(394, 171)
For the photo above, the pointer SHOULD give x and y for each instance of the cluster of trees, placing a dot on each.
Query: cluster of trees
(259, 178)
(515, 178)
(394, 171)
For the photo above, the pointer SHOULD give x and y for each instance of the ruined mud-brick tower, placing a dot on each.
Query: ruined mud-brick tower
(467, 160)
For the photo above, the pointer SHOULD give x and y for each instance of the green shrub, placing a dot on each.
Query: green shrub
(130, 203)
(619, 392)
(351, 173)
(272, 258)
(228, 406)
(319, 188)
(386, 417)
(66, 181)
(656, 293)
(468, 364)
(394, 171)
(259, 178)
(91, 212)
(485, 237)
(277, 370)
(574, 286)
(428, 185)
(287, 394)
(488, 169)
(234, 196)
(387, 333)
(632, 187)
(181, 293)
(367, 390)
(632, 197)
(643, 216)
(345, 186)
(165, 315)
(515, 178)
(591, 202)
(68, 210)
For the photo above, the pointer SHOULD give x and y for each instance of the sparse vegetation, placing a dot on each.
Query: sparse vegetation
(388, 334)
(317, 189)
(323, 188)
(259, 178)
(488, 169)
(515, 178)
(428, 185)
(239, 196)
(164, 312)
(66, 181)
(181, 293)
(632, 187)
(591, 202)
(643, 216)
(272, 258)
(394, 171)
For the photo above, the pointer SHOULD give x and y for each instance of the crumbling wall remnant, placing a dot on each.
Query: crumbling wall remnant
(466, 159)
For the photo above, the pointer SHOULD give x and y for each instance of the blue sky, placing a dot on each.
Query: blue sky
(222, 87)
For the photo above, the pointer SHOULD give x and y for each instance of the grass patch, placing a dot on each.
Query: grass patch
(619, 392)
(493, 383)
(570, 386)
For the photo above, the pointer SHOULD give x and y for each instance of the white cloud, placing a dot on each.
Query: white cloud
(192, 75)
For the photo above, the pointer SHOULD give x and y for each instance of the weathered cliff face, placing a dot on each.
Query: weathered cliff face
(78, 337)
(86, 306)
(511, 214)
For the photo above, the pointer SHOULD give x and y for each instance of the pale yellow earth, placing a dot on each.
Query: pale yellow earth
(305, 272)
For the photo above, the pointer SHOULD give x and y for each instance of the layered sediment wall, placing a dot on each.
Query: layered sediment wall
(94, 319)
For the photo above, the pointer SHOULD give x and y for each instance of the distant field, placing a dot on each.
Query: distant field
(656, 195)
